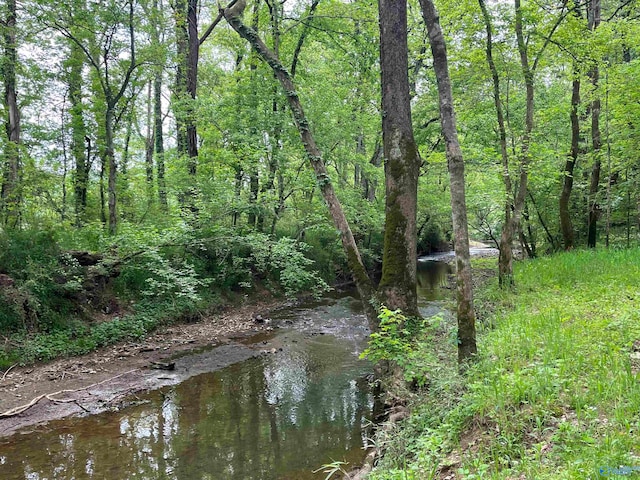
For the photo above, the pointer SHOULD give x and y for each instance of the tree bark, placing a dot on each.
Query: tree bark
(75, 63)
(10, 183)
(505, 258)
(402, 164)
(110, 161)
(149, 146)
(466, 315)
(192, 83)
(159, 141)
(566, 225)
(361, 278)
(520, 196)
(594, 184)
(182, 47)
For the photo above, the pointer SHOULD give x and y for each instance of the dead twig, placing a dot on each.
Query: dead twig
(49, 396)
(7, 371)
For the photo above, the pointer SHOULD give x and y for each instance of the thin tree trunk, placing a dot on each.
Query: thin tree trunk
(567, 178)
(254, 179)
(505, 258)
(363, 283)
(78, 132)
(159, 141)
(10, 183)
(609, 178)
(520, 197)
(192, 83)
(594, 184)
(110, 160)
(466, 315)
(398, 283)
(103, 214)
(149, 147)
(157, 37)
(550, 239)
(182, 47)
(305, 30)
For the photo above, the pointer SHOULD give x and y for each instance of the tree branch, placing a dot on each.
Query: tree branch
(214, 24)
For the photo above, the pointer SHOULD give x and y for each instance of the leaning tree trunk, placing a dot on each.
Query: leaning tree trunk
(361, 278)
(398, 283)
(10, 194)
(466, 315)
(567, 175)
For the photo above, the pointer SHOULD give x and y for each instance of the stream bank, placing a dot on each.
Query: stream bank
(305, 381)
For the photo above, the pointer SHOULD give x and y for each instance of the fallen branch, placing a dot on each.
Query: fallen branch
(49, 396)
(7, 371)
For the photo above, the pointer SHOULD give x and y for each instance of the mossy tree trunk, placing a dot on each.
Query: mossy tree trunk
(397, 287)
(465, 312)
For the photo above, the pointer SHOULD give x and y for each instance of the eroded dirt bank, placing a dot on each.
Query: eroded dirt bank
(107, 378)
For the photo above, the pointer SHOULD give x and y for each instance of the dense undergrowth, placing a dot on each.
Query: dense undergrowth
(555, 393)
(69, 291)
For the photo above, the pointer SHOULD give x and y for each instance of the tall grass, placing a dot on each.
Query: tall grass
(555, 393)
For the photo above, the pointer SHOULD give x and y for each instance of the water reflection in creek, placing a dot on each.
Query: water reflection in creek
(277, 416)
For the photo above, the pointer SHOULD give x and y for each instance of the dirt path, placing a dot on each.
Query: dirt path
(104, 379)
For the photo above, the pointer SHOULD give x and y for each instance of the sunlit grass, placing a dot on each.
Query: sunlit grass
(555, 394)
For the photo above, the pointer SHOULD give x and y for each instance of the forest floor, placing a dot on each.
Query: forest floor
(101, 380)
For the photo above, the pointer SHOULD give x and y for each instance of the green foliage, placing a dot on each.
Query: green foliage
(402, 341)
(555, 391)
(78, 338)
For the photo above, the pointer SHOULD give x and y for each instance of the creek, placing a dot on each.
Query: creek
(297, 397)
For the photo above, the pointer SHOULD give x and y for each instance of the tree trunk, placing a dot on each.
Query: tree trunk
(110, 160)
(399, 261)
(75, 63)
(466, 315)
(159, 141)
(149, 147)
(10, 183)
(594, 184)
(254, 175)
(505, 258)
(192, 83)
(513, 221)
(182, 47)
(363, 283)
(157, 38)
(567, 178)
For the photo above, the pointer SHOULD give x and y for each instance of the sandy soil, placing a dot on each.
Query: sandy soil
(103, 379)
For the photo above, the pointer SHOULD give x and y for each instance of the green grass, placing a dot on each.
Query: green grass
(554, 394)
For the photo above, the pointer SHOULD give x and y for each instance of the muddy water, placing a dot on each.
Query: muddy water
(302, 400)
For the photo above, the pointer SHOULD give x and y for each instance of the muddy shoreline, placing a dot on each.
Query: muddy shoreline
(106, 379)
